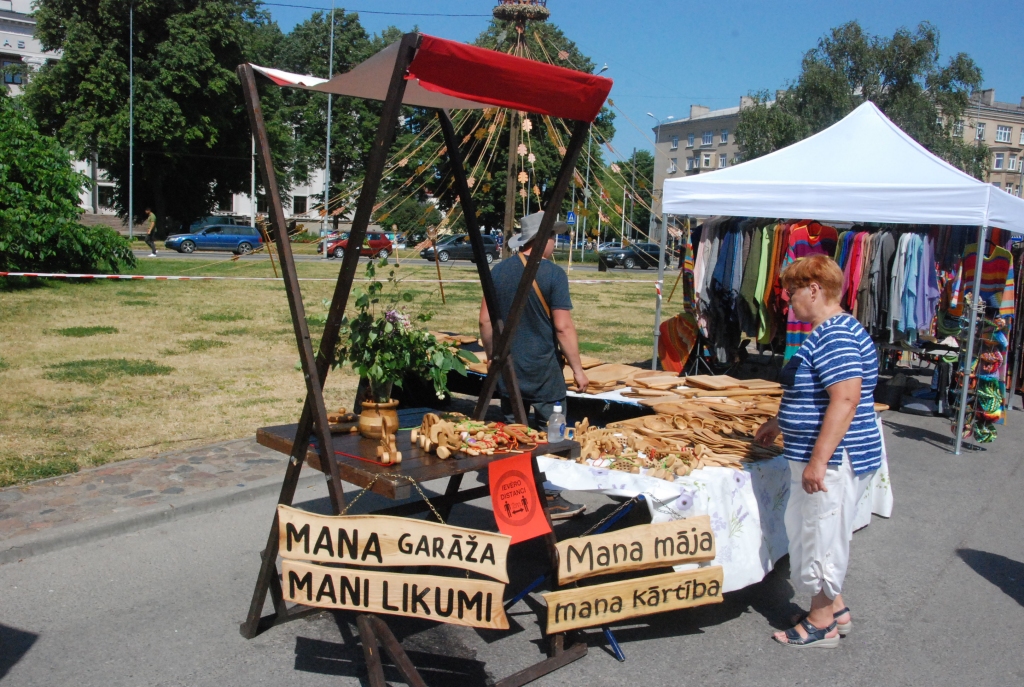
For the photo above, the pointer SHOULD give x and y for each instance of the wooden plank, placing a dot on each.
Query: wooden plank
(451, 600)
(716, 382)
(548, 665)
(689, 540)
(604, 604)
(759, 384)
(379, 540)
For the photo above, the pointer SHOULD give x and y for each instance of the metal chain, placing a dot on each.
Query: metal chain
(615, 512)
(414, 483)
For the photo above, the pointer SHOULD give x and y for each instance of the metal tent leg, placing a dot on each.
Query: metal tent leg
(962, 415)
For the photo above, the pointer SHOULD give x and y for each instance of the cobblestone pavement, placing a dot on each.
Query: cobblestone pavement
(135, 485)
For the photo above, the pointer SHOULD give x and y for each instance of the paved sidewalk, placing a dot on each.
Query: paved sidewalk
(100, 502)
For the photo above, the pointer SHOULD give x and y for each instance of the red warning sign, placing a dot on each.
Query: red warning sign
(517, 508)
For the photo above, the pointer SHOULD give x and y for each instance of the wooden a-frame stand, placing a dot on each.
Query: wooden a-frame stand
(313, 420)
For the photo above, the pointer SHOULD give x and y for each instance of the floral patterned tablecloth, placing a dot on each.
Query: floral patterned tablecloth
(746, 508)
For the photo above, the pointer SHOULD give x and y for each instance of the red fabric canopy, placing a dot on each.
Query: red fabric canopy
(495, 78)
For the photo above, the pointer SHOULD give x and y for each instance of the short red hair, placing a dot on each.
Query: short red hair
(814, 269)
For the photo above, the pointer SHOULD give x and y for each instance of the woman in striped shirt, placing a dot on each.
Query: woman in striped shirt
(832, 441)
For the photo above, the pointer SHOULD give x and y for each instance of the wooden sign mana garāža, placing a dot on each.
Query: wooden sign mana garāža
(452, 600)
(689, 540)
(382, 540)
(604, 604)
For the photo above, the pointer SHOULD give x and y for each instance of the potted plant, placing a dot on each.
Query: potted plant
(383, 346)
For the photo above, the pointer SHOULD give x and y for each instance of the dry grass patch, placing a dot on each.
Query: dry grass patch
(64, 408)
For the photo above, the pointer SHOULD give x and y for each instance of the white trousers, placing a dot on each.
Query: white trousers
(820, 527)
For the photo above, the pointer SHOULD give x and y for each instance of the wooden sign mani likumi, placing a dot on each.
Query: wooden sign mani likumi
(382, 540)
(452, 600)
(689, 540)
(604, 604)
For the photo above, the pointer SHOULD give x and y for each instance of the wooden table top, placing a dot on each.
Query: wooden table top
(393, 481)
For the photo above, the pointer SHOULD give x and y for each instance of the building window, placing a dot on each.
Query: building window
(298, 205)
(708, 138)
(1003, 134)
(226, 204)
(673, 166)
(998, 162)
(675, 142)
(958, 128)
(689, 140)
(996, 184)
(1013, 163)
(12, 77)
(979, 131)
(261, 203)
(1022, 135)
(707, 159)
(105, 196)
(725, 136)
(689, 164)
(722, 157)
(735, 159)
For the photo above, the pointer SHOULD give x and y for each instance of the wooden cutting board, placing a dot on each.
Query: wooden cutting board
(660, 382)
(759, 384)
(715, 382)
(611, 372)
(587, 362)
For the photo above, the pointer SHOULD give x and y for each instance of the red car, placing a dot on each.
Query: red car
(375, 244)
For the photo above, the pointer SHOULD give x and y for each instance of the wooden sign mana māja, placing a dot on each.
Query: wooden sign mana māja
(689, 540)
(604, 604)
(452, 600)
(382, 540)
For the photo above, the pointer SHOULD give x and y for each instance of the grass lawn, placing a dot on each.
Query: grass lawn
(106, 371)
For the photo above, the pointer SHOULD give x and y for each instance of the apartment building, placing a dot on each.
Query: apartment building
(1000, 126)
(703, 142)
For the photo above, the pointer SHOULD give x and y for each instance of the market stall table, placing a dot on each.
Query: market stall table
(747, 507)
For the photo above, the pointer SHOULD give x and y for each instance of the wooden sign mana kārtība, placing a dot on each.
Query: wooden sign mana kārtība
(660, 545)
(382, 540)
(611, 602)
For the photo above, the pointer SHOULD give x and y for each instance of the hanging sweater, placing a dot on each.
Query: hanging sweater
(997, 287)
(805, 238)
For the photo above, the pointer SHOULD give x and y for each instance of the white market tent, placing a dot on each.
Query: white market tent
(863, 168)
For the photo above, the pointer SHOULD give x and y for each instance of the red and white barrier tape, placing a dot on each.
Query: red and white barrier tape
(141, 277)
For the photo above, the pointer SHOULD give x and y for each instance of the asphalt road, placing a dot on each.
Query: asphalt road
(164, 254)
(937, 594)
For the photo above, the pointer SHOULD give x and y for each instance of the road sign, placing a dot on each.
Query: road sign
(570, 219)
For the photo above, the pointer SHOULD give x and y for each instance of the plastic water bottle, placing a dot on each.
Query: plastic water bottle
(556, 425)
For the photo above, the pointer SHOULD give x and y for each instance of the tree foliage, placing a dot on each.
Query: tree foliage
(902, 75)
(39, 197)
(192, 141)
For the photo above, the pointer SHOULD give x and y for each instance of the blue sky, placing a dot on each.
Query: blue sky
(665, 56)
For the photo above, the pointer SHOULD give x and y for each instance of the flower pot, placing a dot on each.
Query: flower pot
(371, 419)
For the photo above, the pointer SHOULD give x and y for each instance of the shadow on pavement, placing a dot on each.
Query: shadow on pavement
(14, 644)
(1003, 572)
(903, 431)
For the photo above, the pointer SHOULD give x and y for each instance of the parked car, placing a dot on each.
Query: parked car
(211, 220)
(642, 255)
(375, 244)
(459, 248)
(235, 238)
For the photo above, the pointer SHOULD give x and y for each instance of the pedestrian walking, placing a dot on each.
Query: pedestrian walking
(833, 444)
(151, 219)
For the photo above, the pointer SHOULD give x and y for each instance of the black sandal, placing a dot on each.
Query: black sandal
(816, 637)
(844, 628)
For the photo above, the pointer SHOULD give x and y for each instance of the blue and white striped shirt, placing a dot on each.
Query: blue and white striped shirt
(837, 350)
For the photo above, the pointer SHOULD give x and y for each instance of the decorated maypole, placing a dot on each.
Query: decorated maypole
(519, 12)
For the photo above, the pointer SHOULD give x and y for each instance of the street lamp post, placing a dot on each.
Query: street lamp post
(662, 230)
(131, 122)
(586, 183)
(327, 156)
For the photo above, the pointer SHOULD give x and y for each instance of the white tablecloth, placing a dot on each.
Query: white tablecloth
(746, 508)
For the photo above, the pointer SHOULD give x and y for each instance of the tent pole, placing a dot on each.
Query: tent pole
(973, 320)
(662, 224)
